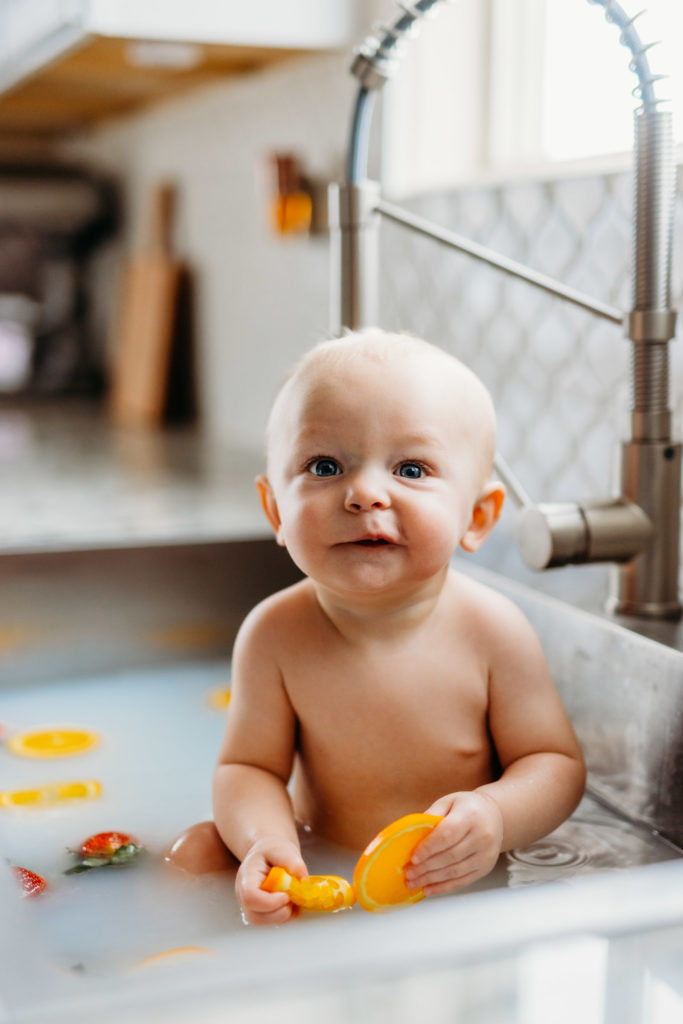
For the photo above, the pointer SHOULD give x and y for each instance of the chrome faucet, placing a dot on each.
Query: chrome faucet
(639, 529)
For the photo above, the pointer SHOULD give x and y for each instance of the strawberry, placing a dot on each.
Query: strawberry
(31, 883)
(103, 849)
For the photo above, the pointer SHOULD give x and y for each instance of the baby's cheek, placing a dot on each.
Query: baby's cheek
(302, 539)
(441, 533)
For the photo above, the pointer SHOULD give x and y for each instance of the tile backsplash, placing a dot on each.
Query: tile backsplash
(559, 376)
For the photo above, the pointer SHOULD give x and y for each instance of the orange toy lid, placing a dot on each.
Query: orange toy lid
(317, 892)
(379, 876)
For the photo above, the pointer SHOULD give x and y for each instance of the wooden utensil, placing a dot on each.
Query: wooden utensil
(144, 332)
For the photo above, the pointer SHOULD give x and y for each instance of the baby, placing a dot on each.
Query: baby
(385, 682)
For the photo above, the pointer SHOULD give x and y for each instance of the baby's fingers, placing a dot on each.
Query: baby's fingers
(278, 914)
(438, 846)
(260, 907)
(449, 875)
(444, 864)
(465, 873)
(472, 816)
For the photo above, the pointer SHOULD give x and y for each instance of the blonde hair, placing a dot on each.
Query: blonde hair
(382, 347)
(373, 343)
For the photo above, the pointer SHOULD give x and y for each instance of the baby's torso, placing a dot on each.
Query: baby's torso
(385, 729)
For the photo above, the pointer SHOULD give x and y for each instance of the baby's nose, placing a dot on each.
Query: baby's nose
(366, 491)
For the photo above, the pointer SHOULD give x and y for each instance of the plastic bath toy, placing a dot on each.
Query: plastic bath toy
(379, 876)
(51, 793)
(317, 892)
(31, 883)
(105, 849)
(53, 742)
(378, 879)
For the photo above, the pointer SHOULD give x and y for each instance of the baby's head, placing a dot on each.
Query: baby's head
(394, 364)
(385, 429)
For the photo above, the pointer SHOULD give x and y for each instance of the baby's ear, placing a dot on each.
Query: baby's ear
(484, 516)
(270, 507)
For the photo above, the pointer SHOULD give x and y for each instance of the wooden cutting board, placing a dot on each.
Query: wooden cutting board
(143, 334)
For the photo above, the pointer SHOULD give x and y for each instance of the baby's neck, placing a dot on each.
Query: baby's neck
(375, 618)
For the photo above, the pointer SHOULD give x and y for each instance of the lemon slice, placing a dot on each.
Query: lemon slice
(51, 793)
(52, 742)
(169, 954)
(219, 698)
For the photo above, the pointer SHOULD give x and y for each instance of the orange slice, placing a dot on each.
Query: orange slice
(50, 794)
(317, 892)
(52, 742)
(379, 876)
(169, 954)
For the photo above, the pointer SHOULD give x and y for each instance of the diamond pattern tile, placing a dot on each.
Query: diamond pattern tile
(558, 375)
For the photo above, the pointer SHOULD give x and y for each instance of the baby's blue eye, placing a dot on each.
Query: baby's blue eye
(323, 467)
(410, 470)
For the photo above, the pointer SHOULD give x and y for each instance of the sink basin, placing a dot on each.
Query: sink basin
(120, 638)
(624, 693)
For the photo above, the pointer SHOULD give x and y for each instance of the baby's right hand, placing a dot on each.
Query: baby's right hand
(259, 907)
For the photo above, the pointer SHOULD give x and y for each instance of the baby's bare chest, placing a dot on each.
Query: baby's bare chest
(392, 701)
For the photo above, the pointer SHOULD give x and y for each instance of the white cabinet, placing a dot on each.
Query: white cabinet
(33, 31)
(301, 24)
(23, 23)
(64, 63)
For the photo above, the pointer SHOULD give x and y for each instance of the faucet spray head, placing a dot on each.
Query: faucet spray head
(377, 57)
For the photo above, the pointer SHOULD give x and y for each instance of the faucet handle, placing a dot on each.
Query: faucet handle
(560, 533)
(551, 534)
(614, 530)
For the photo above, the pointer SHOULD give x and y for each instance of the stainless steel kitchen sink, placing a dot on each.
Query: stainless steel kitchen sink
(613, 869)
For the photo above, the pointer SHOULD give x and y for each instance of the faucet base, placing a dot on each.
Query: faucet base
(647, 585)
(670, 612)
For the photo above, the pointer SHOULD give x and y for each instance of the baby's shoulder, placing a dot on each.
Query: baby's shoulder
(279, 618)
(271, 632)
(488, 613)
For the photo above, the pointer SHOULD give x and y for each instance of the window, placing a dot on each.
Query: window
(494, 87)
(587, 108)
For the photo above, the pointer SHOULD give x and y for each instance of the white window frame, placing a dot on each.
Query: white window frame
(516, 82)
(483, 73)
(442, 78)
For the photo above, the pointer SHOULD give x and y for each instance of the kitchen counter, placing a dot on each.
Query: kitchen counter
(73, 481)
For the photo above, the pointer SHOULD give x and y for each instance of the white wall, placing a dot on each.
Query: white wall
(261, 300)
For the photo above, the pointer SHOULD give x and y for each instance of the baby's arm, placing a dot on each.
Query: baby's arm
(252, 809)
(543, 773)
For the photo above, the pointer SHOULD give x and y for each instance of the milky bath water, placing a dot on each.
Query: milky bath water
(159, 733)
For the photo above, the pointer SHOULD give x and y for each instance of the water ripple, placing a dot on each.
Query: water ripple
(592, 840)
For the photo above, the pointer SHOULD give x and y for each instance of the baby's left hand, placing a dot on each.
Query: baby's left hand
(462, 848)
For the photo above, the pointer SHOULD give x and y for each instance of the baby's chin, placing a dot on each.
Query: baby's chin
(372, 587)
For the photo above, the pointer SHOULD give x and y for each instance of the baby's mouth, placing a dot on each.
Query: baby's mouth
(372, 542)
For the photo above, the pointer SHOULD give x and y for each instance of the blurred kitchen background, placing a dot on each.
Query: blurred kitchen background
(202, 137)
(164, 258)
